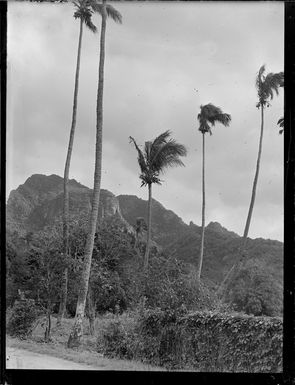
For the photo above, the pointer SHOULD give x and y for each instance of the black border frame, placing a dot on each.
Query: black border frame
(13, 376)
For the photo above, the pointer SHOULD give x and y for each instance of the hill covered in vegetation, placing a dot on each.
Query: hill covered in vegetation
(36, 206)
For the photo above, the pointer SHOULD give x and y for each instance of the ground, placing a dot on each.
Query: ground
(34, 353)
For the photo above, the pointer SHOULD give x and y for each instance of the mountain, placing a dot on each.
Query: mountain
(38, 203)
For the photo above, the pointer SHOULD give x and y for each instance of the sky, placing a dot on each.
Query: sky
(162, 63)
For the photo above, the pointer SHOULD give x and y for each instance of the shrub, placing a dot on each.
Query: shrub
(203, 341)
(23, 316)
(117, 336)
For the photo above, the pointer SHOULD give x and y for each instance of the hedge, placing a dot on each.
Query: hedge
(204, 341)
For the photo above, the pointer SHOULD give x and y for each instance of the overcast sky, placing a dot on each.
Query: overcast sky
(154, 62)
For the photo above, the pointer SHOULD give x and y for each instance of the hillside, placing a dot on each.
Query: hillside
(38, 203)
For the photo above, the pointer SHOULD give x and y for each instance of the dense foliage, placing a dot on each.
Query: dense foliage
(22, 318)
(256, 292)
(203, 341)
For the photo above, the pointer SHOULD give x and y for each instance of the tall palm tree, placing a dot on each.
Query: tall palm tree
(105, 11)
(83, 13)
(208, 116)
(157, 155)
(266, 86)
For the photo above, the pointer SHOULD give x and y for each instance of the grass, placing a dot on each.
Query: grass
(85, 354)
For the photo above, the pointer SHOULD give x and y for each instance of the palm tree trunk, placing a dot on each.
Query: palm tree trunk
(147, 250)
(241, 254)
(64, 288)
(90, 311)
(200, 260)
(77, 331)
(48, 322)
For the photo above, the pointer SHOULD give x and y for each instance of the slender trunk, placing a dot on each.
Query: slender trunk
(64, 288)
(241, 254)
(200, 261)
(147, 250)
(48, 325)
(77, 331)
(136, 241)
(90, 306)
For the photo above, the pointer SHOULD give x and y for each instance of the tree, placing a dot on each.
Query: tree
(209, 115)
(76, 334)
(158, 155)
(266, 86)
(84, 13)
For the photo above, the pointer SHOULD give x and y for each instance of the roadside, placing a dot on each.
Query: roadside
(28, 354)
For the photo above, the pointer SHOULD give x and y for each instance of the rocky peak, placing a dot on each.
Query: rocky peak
(39, 201)
(216, 227)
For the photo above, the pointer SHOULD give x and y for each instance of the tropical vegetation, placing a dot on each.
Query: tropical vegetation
(106, 11)
(160, 300)
(158, 155)
(84, 13)
(267, 86)
(208, 116)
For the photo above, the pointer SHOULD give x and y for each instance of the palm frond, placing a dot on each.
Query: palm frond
(114, 14)
(268, 85)
(158, 142)
(141, 158)
(224, 119)
(155, 159)
(147, 151)
(260, 77)
(212, 114)
(281, 124)
(110, 11)
(168, 155)
(84, 12)
(90, 25)
(272, 83)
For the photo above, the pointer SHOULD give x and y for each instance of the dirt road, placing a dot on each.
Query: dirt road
(17, 358)
(24, 359)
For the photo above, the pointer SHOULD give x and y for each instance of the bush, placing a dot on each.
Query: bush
(22, 318)
(256, 292)
(203, 341)
(117, 336)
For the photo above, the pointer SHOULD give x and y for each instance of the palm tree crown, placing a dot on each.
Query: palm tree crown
(267, 85)
(211, 114)
(158, 155)
(84, 12)
(110, 10)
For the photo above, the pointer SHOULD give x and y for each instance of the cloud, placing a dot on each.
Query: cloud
(162, 63)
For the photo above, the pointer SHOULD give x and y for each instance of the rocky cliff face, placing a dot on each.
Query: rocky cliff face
(39, 202)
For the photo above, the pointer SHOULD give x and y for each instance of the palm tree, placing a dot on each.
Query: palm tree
(266, 85)
(84, 13)
(157, 155)
(105, 11)
(208, 116)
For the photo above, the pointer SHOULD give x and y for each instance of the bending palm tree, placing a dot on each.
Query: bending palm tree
(209, 114)
(75, 337)
(266, 86)
(84, 13)
(158, 155)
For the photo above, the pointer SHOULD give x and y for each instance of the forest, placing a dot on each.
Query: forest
(129, 275)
